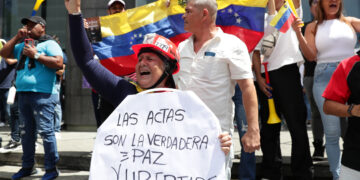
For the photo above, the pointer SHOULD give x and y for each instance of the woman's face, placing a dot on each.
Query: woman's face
(331, 8)
(149, 69)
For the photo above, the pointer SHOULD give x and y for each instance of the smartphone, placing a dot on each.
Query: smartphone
(29, 42)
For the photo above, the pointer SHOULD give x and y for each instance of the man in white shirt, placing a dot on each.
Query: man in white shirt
(288, 97)
(211, 63)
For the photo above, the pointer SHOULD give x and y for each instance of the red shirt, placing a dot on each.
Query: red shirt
(344, 87)
(338, 87)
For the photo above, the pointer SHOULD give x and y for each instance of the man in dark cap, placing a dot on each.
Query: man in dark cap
(38, 59)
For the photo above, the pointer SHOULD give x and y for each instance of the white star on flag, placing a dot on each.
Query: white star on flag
(238, 20)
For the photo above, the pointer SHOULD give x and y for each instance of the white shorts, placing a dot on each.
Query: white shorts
(348, 173)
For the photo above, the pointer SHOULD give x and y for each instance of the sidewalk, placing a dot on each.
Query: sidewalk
(75, 156)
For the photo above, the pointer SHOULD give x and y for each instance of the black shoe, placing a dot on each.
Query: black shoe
(319, 151)
(51, 174)
(12, 146)
(24, 172)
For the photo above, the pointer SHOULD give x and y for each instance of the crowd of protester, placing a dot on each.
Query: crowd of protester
(235, 90)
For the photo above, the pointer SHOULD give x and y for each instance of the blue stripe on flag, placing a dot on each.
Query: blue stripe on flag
(283, 19)
(243, 16)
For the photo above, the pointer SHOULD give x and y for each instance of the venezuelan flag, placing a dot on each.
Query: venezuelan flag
(284, 18)
(243, 18)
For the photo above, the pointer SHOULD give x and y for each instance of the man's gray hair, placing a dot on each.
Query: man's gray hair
(210, 5)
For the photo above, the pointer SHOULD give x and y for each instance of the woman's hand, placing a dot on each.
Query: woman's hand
(297, 25)
(226, 141)
(73, 6)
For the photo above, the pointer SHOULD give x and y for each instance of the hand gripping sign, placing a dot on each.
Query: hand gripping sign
(159, 136)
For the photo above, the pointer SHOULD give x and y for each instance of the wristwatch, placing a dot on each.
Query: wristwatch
(37, 55)
(350, 109)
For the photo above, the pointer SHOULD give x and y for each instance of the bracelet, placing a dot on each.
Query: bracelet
(76, 13)
(350, 109)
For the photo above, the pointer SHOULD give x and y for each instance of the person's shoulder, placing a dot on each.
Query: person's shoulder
(230, 38)
(183, 43)
(51, 42)
(349, 62)
(311, 27)
(349, 19)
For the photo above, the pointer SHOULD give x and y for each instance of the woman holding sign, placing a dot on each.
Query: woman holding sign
(328, 41)
(157, 61)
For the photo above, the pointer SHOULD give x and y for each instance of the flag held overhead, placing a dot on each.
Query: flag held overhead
(242, 18)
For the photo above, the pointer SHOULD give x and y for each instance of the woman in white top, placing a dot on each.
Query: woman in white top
(328, 40)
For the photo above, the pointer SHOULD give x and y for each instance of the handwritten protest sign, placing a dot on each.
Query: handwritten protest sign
(159, 136)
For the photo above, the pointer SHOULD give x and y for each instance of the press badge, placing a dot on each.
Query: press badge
(208, 53)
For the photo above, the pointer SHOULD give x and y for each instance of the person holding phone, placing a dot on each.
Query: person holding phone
(39, 57)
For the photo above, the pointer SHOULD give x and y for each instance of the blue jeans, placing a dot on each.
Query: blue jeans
(15, 123)
(332, 129)
(316, 124)
(247, 168)
(58, 110)
(37, 112)
(4, 107)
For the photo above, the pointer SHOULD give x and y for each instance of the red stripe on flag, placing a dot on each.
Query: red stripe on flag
(179, 38)
(120, 66)
(249, 37)
(288, 23)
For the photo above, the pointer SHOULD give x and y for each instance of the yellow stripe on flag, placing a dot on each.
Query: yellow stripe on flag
(251, 3)
(292, 7)
(37, 4)
(294, 10)
(137, 17)
(279, 15)
(141, 16)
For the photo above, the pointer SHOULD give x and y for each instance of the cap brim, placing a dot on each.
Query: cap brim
(24, 21)
(138, 47)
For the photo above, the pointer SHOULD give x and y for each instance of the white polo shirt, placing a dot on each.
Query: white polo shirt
(211, 73)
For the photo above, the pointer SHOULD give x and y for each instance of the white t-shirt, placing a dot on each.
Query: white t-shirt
(286, 50)
(211, 73)
(335, 41)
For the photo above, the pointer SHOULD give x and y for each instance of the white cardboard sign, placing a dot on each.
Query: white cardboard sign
(159, 136)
